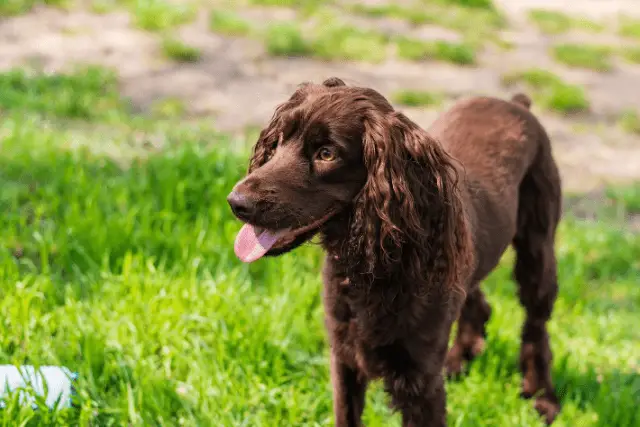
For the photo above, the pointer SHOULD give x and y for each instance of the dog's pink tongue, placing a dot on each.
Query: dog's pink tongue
(250, 246)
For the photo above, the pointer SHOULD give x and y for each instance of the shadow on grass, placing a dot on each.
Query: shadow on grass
(610, 394)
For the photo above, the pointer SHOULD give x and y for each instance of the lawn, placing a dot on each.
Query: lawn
(116, 261)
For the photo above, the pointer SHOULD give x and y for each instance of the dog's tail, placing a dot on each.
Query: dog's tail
(522, 99)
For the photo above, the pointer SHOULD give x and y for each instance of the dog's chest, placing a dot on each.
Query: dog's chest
(347, 329)
(357, 320)
(346, 341)
(351, 346)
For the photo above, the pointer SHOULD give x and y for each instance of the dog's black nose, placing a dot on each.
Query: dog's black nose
(241, 205)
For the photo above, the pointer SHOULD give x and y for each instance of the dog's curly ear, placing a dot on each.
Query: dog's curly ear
(264, 147)
(410, 211)
(333, 82)
(272, 133)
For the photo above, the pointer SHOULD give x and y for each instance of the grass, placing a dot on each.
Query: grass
(122, 269)
(169, 108)
(328, 39)
(479, 4)
(160, 15)
(629, 27)
(630, 121)
(229, 23)
(416, 98)
(179, 51)
(455, 53)
(289, 3)
(127, 276)
(631, 54)
(413, 15)
(597, 58)
(286, 39)
(334, 41)
(550, 90)
(452, 15)
(17, 7)
(626, 196)
(89, 93)
(553, 22)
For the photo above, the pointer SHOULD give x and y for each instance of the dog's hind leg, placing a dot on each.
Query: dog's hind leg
(470, 338)
(536, 273)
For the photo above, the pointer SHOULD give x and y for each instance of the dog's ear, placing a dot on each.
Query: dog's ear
(264, 147)
(271, 135)
(410, 211)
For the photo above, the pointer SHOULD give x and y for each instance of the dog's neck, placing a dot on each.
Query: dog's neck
(336, 239)
(346, 260)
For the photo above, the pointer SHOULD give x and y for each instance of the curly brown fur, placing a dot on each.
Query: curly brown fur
(412, 221)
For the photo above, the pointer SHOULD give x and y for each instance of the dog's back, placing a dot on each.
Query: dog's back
(506, 158)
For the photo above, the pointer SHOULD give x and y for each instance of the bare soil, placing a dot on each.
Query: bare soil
(237, 84)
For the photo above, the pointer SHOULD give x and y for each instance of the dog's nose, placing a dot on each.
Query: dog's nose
(241, 205)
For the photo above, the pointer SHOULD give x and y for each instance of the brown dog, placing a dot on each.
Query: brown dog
(412, 222)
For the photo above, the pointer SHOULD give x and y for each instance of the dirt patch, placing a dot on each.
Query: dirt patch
(238, 84)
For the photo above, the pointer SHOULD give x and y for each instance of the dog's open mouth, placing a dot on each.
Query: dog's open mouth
(253, 242)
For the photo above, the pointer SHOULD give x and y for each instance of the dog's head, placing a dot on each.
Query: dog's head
(333, 152)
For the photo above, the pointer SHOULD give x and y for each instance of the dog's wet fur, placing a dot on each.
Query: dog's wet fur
(416, 220)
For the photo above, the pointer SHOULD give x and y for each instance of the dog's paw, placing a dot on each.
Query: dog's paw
(548, 408)
(454, 364)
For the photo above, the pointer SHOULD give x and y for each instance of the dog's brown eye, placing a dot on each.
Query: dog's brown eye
(327, 154)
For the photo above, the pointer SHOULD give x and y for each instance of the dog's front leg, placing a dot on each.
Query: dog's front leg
(349, 390)
(421, 401)
(414, 379)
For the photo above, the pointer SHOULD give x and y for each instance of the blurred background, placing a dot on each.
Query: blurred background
(125, 123)
(232, 61)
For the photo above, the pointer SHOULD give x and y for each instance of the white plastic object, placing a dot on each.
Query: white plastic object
(58, 379)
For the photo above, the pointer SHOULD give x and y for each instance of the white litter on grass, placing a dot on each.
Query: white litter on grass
(57, 379)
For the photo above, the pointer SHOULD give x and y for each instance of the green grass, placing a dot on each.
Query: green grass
(629, 27)
(150, 15)
(417, 50)
(630, 121)
(127, 276)
(286, 39)
(553, 22)
(87, 93)
(389, 10)
(160, 15)
(592, 57)
(330, 40)
(631, 54)
(333, 40)
(122, 269)
(179, 51)
(626, 196)
(452, 15)
(336, 41)
(479, 4)
(550, 90)
(168, 108)
(416, 98)
(17, 7)
(289, 3)
(229, 23)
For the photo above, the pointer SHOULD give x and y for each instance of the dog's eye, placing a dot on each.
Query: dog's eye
(326, 154)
